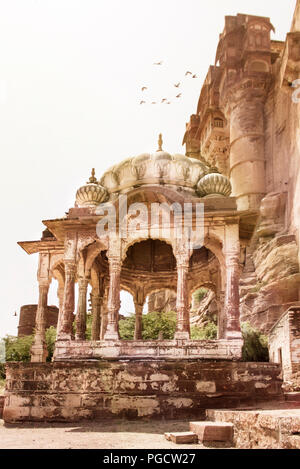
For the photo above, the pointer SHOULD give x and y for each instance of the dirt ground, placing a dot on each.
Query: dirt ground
(92, 435)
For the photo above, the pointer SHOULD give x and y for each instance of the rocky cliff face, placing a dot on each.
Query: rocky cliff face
(162, 301)
(270, 279)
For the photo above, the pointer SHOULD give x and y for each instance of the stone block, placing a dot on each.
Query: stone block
(212, 431)
(184, 438)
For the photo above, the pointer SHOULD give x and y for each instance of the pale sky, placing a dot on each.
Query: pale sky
(70, 78)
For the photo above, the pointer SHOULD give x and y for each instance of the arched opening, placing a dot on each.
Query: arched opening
(205, 295)
(149, 266)
(204, 314)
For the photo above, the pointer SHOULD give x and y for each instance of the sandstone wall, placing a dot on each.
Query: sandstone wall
(274, 282)
(284, 343)
(71, 391)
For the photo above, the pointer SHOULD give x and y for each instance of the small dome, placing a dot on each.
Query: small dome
(214, 185)
(92, 194)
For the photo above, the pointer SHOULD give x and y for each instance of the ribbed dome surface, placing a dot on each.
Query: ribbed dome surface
(156, 168)
(214, 185)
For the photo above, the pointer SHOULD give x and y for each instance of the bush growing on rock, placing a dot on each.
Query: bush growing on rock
(255, 347)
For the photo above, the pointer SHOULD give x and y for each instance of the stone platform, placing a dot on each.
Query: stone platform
(262, 429)
(220, 349)
(106, 389)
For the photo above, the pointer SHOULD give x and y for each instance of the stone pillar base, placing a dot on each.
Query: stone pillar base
(233, 335)
(111, 336)
(39, 353)
(182, 336)
(64, 337)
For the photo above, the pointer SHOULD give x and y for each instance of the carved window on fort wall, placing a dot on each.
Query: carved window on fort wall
(259, 66)
(218, 122)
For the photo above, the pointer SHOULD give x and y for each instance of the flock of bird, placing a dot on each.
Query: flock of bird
(176, 85)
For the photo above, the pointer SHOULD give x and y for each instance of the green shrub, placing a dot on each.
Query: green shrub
(88, 331)
(154, 323)
(50, 342)
(18, 348)
(2, 371)
(126, 328)
(209, 332)
(200, 294)
(255, 347)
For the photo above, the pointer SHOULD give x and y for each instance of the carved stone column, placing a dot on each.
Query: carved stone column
(138, 321)
(232, 297)
(104, 314)
(39, 350)
(112, 331)
(139, 299)
(68, 304)
(96, 313)
(60, 296)
(81, 309)
(182, 303)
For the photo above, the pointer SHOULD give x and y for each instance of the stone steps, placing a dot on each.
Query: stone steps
(184, 438)
(212, 431)
(262, 429)
(207, 433)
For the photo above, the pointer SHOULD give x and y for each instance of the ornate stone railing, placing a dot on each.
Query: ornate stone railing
(121, 349)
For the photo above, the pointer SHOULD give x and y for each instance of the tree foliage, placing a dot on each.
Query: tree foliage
(152, 325)
(18, 348)
(165, 323)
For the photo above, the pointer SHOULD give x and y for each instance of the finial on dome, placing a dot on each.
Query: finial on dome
(92, 179)
(160, 143)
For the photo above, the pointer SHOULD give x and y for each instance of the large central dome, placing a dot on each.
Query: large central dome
(157, 168)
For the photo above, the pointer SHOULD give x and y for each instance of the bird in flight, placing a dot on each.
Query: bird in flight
(179, 95)
(163, 100)
(158, 63)
(144, 88)
(188, 73)
(143, 102)
(177, 85)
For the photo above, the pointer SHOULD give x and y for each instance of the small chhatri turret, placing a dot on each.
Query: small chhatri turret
(92, 194)
(214, 184)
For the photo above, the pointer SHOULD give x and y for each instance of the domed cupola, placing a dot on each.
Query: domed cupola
(214, 184)
(92, 194)
(160, 168)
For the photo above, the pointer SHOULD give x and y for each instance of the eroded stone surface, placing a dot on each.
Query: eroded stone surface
(70, 391)
(272, 429)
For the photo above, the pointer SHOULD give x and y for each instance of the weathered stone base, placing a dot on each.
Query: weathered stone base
(266, 429)
(172, 389)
